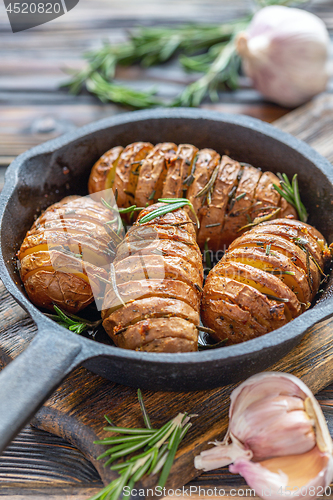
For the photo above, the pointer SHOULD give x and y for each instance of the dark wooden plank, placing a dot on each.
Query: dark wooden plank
(62, 466)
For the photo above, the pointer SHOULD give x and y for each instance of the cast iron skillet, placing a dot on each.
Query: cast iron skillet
(37, 179)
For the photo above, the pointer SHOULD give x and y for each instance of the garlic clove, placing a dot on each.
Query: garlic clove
(324, 441)
(305, 475)
(277, 437)
(283, 417)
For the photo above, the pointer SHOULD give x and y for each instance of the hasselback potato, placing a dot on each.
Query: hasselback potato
(267, 277)
(226, 195)
(153, 300)
(67, 252)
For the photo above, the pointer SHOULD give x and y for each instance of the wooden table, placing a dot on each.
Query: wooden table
(33, 109)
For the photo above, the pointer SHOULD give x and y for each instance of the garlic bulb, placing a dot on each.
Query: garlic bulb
(285, 52)
(277, 438)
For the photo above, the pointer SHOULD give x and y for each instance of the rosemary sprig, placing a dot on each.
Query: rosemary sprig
(119, 212)
(71, 322)
(107, 91)
(171, 204)
(217, 345)
(223, 70)
(207, 49)
(159, 449)
(205, 330)
(204, 339)
(301, 243)
(290, 192)
(208, 188)
(258, 220)
(278, 299)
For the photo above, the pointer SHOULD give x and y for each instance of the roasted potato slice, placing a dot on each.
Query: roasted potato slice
(179, 167)
(170, 344)
(203, 167)
(287, 210)
(159, 247)
(150, 330)
(213, 214)
(70, 239)
(161, 267)
(150, 307)
(103, 172)
(133, 290)
(152, 286)
(266, 198)
(239, 206)
(128, 167)
(66, 290)
(152, 174)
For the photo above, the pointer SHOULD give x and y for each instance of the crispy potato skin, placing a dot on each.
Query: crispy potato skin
(103, 172)
(125, 180)
(66, 252)
(152, 174)
(214, 213)
(144, 173)
(269, 261)
(151, 307)
(156, 301)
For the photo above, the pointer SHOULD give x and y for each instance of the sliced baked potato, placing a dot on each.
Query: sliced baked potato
(267, 277)
(153, 301)
(65, 256)
(104, 171)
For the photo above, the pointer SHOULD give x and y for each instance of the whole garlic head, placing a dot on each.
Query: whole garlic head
(277, 438)
(285, 52)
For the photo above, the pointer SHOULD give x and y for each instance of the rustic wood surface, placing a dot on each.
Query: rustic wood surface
(39, 465)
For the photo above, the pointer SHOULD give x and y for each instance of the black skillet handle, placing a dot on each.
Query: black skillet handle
(30, 379)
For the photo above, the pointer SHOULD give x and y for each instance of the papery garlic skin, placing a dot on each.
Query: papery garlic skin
(285, 53)
(277, 438)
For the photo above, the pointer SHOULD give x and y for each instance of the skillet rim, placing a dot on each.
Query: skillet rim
(91, 348)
